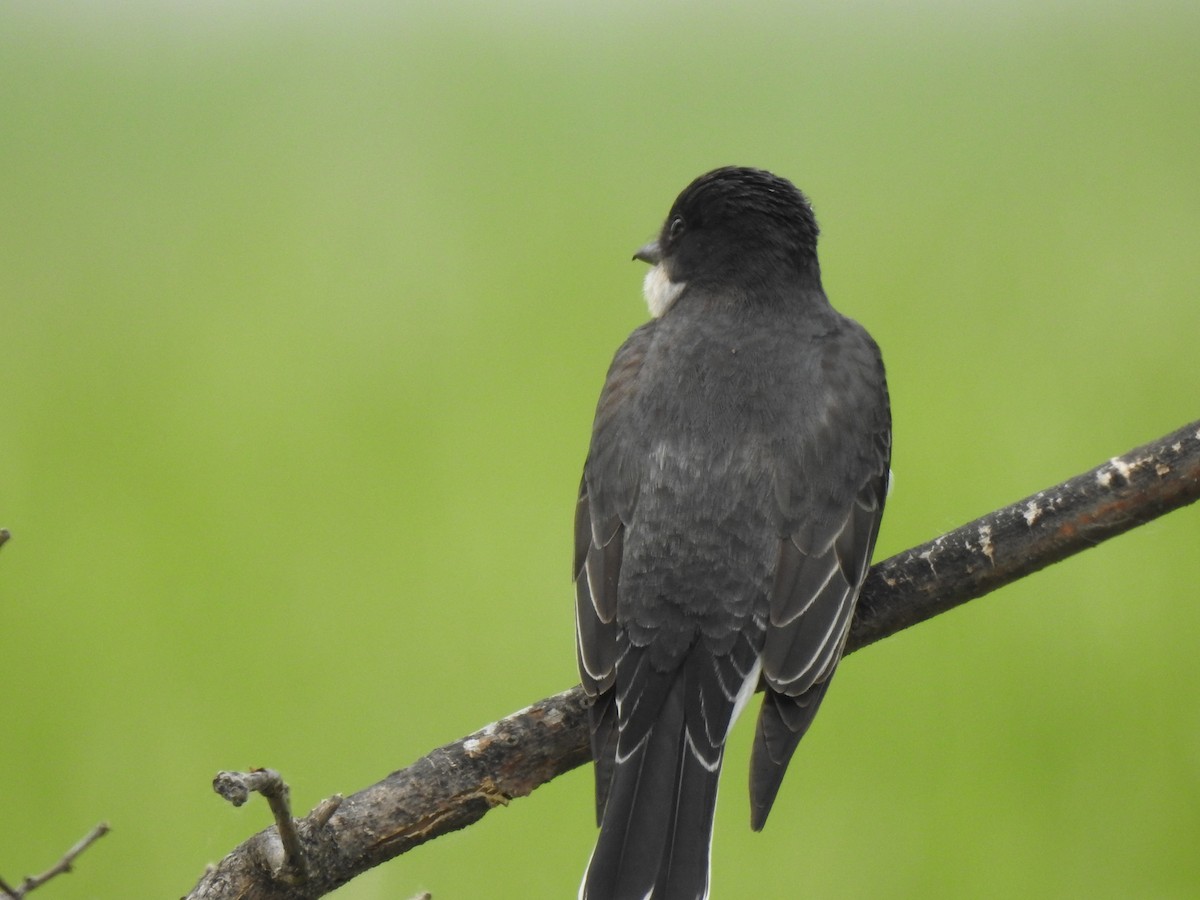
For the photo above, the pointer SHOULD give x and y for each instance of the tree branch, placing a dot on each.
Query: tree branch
(1026, 536)
(456, 785)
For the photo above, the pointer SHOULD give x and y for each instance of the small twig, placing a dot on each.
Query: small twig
(236, 787)
(323, 812)
(68, 858)
(5, 534)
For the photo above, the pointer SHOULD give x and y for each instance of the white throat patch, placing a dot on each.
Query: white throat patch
(661, 292)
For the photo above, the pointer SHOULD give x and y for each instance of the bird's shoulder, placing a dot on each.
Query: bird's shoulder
(624, 373)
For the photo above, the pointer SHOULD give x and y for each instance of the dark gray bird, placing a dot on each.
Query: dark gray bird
(728, 511)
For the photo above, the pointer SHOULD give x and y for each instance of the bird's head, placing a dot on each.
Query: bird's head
(732, 229)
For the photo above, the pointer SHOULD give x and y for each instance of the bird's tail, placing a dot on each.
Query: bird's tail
(656, 829)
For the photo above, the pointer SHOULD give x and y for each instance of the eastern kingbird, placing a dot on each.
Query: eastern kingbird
(728, 510)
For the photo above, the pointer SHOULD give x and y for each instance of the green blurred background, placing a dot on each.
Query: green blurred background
(305, 308)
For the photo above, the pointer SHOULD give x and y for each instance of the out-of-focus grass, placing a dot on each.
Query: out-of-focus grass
(304, 313)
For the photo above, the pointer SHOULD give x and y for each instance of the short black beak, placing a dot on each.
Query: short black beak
(651, 253)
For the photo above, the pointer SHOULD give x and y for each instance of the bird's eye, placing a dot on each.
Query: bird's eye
(675, 228)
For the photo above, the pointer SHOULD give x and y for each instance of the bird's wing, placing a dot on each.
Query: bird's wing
(607, 494)
(831, 495)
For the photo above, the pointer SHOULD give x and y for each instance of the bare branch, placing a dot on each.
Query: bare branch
(68, 858)
(457, 784)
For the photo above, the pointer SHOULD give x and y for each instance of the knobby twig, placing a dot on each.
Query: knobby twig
(68, 858)
(456, 785)
(236, 787)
